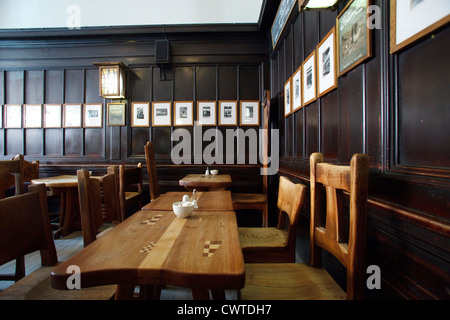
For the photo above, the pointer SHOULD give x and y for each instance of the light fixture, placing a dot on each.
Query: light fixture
(318, 4)
(112, 79)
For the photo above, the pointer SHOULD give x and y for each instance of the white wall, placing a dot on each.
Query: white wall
(15, 14)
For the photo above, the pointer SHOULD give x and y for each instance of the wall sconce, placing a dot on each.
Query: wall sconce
(318, 4)
(112, 79)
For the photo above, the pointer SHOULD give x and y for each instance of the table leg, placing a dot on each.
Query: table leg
(124, 292)
(69, 211)
(200, 294)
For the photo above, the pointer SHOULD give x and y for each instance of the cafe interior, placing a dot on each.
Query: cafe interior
(211, 150)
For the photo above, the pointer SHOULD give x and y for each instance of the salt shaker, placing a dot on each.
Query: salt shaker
(194, 198)
(207, 171)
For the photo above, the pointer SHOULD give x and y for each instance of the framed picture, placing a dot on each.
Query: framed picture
(353, 36)
(249, 113)
(284, 11)
(287, 97)
(326, 64)
(140, 114)
(116, 114)
(13, 116)
(32, 116)
(184, 113)
(297, 90)
(52, 116)
(72, 115)
(309, 79)
(206, 113)
(414, 19)
(228, 113)
(93, 115)
(161, 114)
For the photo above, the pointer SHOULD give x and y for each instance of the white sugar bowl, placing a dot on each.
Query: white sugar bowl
(183, 209)
(214, 172)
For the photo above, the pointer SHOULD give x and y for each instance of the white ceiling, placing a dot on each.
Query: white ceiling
(25, 14)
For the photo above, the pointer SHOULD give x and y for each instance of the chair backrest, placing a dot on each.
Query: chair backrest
(99, 203)
(151, 168)
(130, 179)
(291, 197)
(327, 229)
(14, 168)
(266, 140)
(25, 227)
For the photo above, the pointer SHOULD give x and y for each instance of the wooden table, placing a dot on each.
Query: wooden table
(206, 200)
(203, 182)
(67, 186)
(156, 248)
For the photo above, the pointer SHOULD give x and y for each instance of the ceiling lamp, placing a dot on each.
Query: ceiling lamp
(318, 4)
(112, 79)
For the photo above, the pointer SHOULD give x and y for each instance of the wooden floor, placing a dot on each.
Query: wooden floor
(71, 244)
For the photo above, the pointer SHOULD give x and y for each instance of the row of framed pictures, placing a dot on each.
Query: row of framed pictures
(90, 115)
(183, 113)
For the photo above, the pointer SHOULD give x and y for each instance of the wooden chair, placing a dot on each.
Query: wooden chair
(300, 281)
(257, 201)
(12, 174)
(99, 204)
(151, 168)
(276, 244)
(130, 178)
(25, 228)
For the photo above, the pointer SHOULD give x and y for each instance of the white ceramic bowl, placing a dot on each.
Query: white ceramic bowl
(214, 172)
(183, 209)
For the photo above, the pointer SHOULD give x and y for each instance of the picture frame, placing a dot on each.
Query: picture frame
(249, 115)
(309, 82)
(326, 64)
(161, 114)
(287, 97)
(183, 113)
(93, 115)
(13, 116)
(72, 114)
(354, 38)
(228, 113)
(52, 116)
(297, 102)
(206, 113)
(116, 114)
(32, 116)
(413, 20)
(140, 114)
(283, 13)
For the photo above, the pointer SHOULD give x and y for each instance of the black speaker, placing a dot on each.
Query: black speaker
(162, 51)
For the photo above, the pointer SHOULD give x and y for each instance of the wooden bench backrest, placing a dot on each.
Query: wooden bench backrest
(151, 168)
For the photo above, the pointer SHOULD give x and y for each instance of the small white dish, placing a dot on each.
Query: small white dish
(183, 209)
(214, 172)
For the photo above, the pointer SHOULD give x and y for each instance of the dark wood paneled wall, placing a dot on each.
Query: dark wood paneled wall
(204, 66)
(396, 109)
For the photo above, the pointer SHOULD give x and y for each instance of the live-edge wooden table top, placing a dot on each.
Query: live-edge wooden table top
(206, 200)
(157, 248)
(206, 182)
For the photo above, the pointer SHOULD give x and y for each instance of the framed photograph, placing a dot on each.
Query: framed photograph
(326, 64)
(52, 116)
(72, 113)
(287, 97)
(206, 113)
(414, 19)
(116, 114)
(140, 114)
(93, 115)
(284, 11)
(228, 113)
(297, 90)
(249, 113)
(161, 114)
(309, 79)
(32, 116)
(353, 36)
(184, 113)
(13, 116)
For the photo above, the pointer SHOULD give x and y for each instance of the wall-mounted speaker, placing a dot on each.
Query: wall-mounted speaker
(162, 51)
